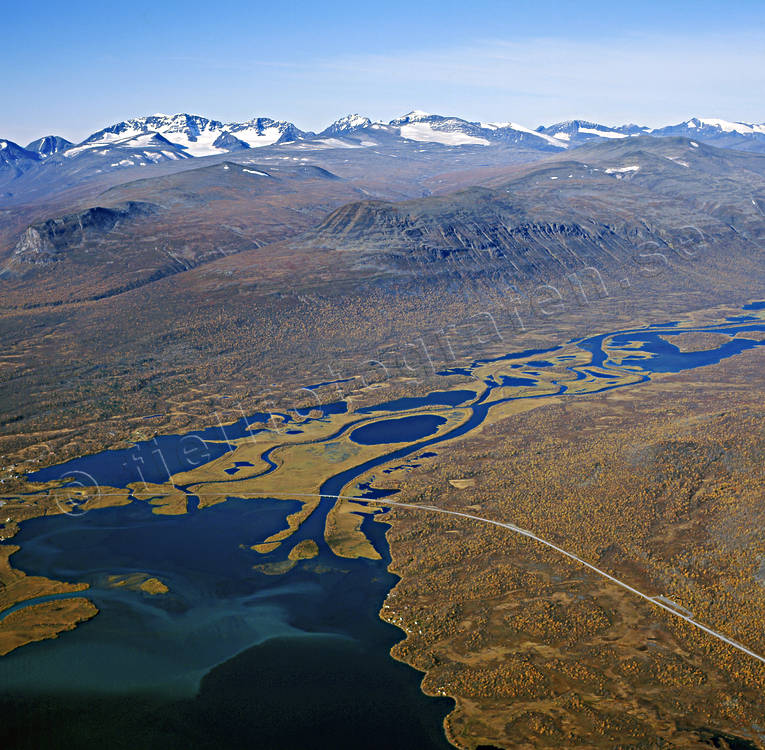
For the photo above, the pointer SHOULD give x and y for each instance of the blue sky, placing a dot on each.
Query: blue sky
(72, 68)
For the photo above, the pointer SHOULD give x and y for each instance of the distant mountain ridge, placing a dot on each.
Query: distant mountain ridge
(154, 139)
(576, 132)
(199, 136)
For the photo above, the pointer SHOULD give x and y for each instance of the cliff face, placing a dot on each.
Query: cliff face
(44, 242)
(34, 247)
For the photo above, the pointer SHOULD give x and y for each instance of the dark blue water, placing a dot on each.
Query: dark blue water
(156, 460)
(664, 356)
(401, 430)
(755, 306)
(163, 641)
(231, 657)
(502, 358)
(237, 467)
(401, 467)
(289, 652)
(153, 461)
(373, 493)
(511, 380)
(437, 398)
(334, 486)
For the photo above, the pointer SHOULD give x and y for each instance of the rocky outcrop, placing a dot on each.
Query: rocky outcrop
(44, 242)
(480, 232)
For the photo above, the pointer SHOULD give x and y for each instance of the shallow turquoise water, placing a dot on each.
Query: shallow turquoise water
(297, 652)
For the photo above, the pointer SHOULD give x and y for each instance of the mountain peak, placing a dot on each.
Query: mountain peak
(417, 115)
(49, 145)
(14, 156)
(715, 127)
(576, 132)
(347, 124)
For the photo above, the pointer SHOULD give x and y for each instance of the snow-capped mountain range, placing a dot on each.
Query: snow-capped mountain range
(196, 135)
(158, 138)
